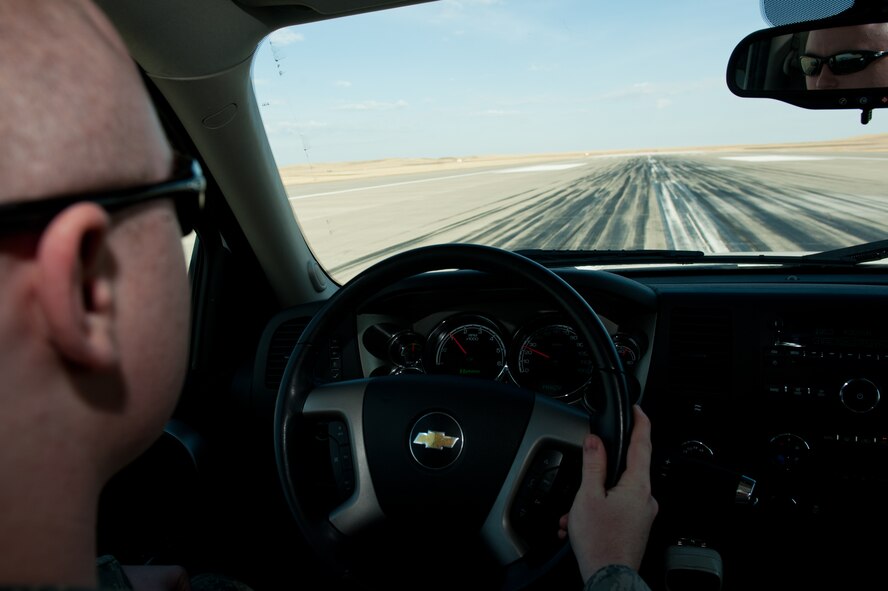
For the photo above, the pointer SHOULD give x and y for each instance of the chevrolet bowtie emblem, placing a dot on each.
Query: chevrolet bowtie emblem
(430, 443)
(435, 440)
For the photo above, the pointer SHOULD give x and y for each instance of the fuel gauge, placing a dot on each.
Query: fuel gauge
(398, 347)
(628, 348)
(405, 349)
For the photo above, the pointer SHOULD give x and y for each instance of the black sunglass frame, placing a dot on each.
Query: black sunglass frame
(842, 63)
(186, 188)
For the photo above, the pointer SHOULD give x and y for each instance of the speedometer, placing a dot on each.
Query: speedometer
(552, 359)
(468, 346)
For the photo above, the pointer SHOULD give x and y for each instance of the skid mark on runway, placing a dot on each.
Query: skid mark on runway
(603, 207)
(756, 212)
(688, 226)
(644, 201)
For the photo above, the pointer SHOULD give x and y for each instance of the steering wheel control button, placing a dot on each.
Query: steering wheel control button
(542, 474)
(341, 458)
(335, 359)
(860, 395)
(436, 440)
(546, 493)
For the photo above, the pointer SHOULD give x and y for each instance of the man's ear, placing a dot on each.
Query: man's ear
(76, 290)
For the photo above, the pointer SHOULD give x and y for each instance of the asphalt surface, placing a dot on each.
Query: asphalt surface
(715, 202)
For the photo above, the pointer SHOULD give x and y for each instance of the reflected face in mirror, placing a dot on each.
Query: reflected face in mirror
(846, 57)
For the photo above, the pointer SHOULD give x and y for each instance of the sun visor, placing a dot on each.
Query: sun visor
(786, 12)
(332, 7)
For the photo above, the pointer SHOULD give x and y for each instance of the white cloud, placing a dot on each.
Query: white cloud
(342, 84)
(468, 4)
(373, 106)
(286, 37)
(646, 89)
(292, 128)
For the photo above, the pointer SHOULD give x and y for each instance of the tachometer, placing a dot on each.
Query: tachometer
(468, 346)
(552, 359)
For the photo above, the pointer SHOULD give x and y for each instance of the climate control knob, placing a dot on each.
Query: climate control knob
(859, 395)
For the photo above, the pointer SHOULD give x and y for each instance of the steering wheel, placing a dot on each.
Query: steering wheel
(439, 472)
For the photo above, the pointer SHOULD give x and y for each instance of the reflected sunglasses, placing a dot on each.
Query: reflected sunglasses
(186, 188)
(846, 62)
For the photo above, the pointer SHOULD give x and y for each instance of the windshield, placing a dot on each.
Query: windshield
(555, 125)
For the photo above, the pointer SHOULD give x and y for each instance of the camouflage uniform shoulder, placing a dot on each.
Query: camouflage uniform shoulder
(616, 577)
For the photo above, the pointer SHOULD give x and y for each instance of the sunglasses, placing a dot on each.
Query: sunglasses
(186, 189)
(847, 62)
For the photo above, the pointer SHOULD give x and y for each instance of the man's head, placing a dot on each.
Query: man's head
(856, 61)
(94, 307)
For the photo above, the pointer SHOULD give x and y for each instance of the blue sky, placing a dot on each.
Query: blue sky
(456, 78)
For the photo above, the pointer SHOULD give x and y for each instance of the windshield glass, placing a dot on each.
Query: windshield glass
(555, 125)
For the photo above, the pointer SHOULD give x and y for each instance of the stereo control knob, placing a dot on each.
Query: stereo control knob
(859, 395)
(788, 451)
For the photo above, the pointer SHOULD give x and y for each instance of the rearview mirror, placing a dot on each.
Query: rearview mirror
(825, 67)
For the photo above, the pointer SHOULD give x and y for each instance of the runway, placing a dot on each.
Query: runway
(714, 202)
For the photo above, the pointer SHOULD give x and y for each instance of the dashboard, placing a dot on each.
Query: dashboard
(768, 378)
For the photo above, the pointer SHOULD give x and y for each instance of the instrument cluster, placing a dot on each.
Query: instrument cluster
(544, 354)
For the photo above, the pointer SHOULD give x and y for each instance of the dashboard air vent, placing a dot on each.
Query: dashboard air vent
(282, 343)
